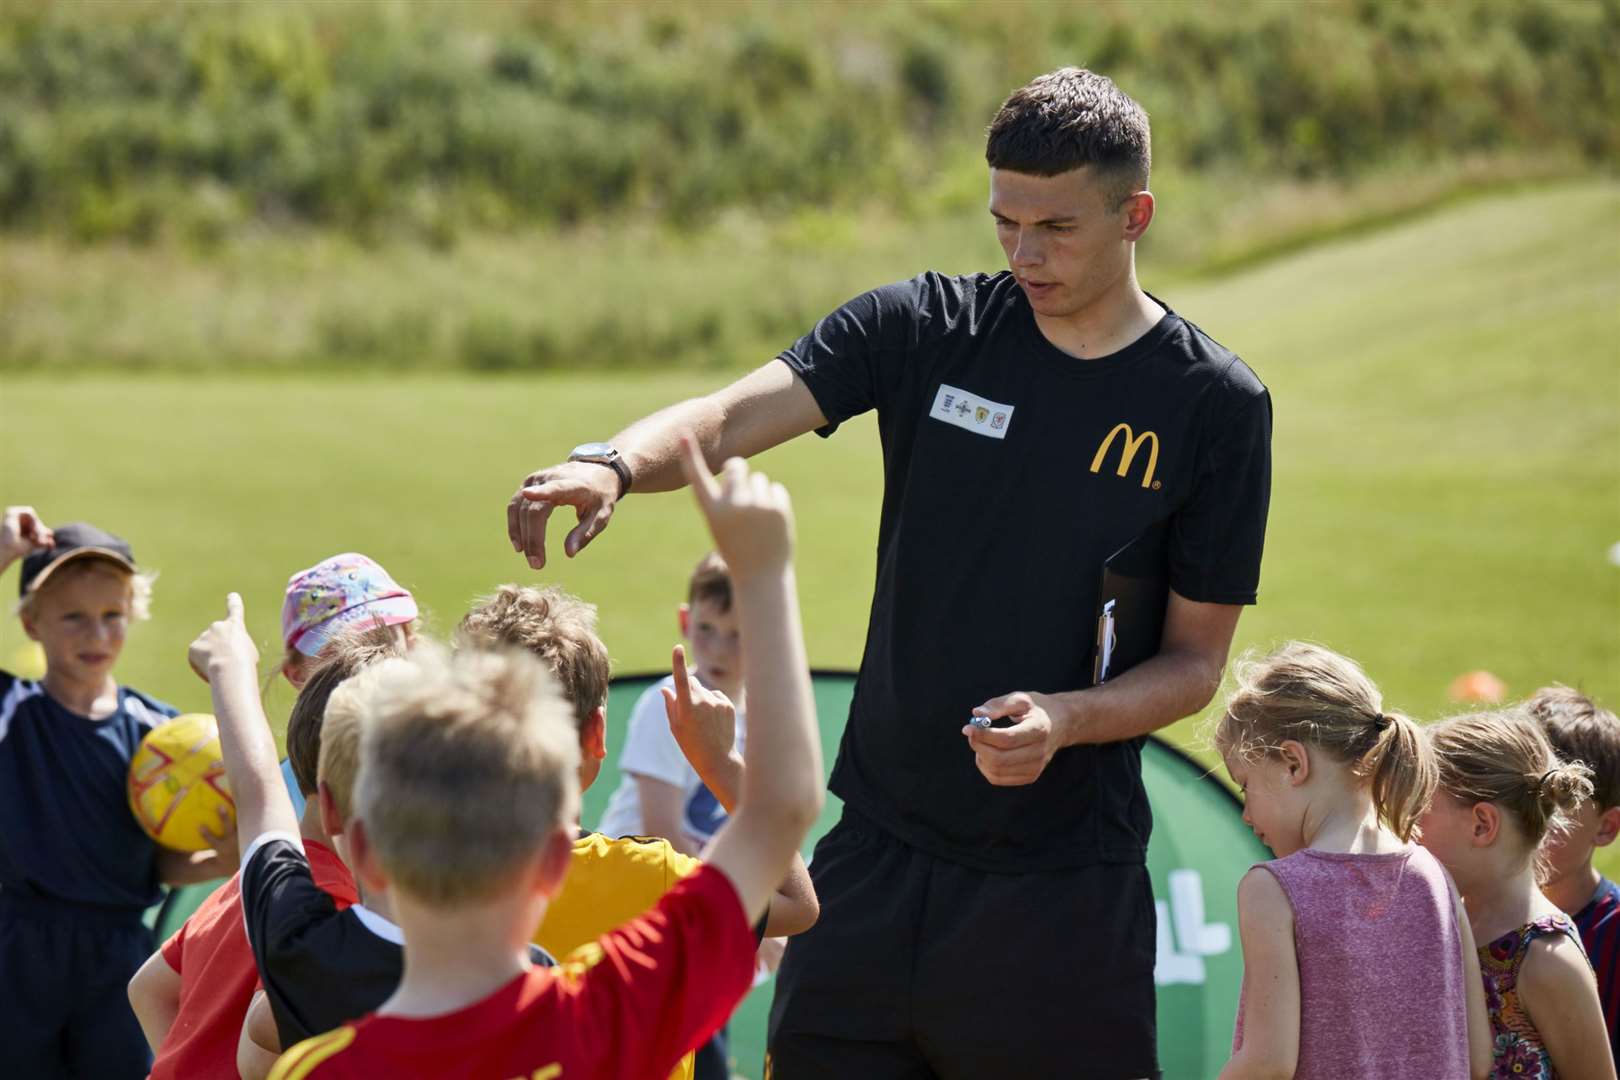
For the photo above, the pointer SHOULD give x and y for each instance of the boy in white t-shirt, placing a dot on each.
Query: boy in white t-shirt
(659, 793)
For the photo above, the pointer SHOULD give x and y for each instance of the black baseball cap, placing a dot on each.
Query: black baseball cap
(77, 540)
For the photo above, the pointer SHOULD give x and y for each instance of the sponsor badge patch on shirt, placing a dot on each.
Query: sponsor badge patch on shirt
(977, 414)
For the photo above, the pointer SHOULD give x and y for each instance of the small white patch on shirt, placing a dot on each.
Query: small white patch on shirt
(971, 412)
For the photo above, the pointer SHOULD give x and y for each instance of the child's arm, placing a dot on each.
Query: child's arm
(704, 724)
(259, 1044)
(1558, 990)
(227, 656)
(1270, 982)
(661, 806)
(781, 796)
(154, 994)
(1481, 1045)
(21, 531)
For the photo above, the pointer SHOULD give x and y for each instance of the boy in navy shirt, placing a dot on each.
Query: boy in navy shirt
(76, 871)
(1582, 730)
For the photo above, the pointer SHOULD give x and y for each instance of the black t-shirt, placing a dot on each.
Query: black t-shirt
(1011, 472)
(320, 967)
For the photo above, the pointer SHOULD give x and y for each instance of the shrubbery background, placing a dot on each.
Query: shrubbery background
(425, 184)
(126, 120)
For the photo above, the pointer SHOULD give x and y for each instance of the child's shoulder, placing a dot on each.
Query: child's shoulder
(1599, 924)
(1261, 894)
(14, 690)
(1552, 932)
(1604, 907)
(1553, 956)
(303, 1059)
(144, 708)
(632, 856)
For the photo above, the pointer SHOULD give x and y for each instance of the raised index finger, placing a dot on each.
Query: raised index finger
(233, 606)
(696, 471)
(683, 684)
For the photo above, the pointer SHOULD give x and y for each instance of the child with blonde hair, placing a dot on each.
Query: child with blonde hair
(1357, 957)
(1501, 789)
(76, 871)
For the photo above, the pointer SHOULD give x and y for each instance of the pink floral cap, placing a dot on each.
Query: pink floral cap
(339, 593)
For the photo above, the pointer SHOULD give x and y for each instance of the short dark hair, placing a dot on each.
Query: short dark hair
(345, 656)
(1070, 118)
(1581, 730)
(711, 581)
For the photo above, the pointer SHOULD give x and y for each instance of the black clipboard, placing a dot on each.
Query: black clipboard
(1131, 597)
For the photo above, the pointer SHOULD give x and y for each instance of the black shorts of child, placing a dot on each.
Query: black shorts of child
(922, 969)
(64, 982)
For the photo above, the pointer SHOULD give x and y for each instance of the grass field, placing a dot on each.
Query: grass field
(1447, 459)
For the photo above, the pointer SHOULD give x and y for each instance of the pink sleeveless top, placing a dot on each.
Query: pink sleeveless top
(1380, 967)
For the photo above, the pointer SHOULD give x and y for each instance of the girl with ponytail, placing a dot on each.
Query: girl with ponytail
(1357, 954)
(1502, 789)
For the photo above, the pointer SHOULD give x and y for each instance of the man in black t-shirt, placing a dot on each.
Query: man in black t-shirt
(1033, 422)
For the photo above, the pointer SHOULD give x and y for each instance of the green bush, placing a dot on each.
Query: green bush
(431, 118)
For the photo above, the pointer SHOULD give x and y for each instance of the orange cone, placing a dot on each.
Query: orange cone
(1478, 686)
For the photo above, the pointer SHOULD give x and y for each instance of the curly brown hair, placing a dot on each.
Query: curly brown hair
(553, 625)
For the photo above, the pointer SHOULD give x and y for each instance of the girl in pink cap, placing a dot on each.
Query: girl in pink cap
(344, 592)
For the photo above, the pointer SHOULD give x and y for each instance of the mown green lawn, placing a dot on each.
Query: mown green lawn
(1447, 459)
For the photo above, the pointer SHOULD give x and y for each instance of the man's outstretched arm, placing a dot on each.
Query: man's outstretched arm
(764, 408)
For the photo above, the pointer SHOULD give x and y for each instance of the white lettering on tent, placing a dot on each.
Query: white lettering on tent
(1181, 959)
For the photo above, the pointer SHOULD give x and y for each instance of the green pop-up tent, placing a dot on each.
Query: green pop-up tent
(1200, 849)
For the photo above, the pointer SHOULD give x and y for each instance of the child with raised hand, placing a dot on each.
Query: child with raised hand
(341, 614)
(1501, 789)
(192, 993)
(468, 796)
(660, 792)
(321, 962)
(1582, 730)
(615, 878)
(76, 871)
(1357, 956)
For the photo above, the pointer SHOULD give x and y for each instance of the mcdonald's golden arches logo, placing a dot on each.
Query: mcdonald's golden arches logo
(1133, 443)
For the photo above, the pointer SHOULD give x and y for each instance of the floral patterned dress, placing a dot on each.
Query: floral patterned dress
(1519, 1053)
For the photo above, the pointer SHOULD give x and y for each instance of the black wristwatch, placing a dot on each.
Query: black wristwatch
(601, 453)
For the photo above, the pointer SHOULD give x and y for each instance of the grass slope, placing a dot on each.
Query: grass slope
(1447, 457)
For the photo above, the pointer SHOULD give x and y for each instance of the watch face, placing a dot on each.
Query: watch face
(592, 450)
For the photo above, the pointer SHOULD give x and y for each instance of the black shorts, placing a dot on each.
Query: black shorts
(920, 968)
(64, 978)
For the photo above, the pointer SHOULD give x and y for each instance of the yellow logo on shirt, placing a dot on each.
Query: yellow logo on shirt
(1133, 443)
(550, 1072)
